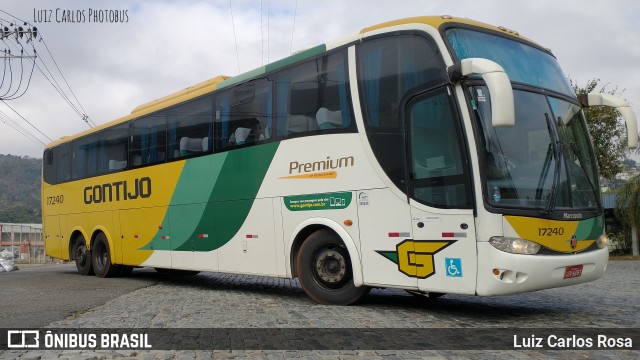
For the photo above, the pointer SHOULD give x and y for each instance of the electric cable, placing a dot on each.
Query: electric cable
(27, 121)
(19, 128)
(235, 39)
(293, 30)
(79, 109)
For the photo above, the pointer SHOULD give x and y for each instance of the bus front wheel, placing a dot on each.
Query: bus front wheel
(82, 256)
(323, 267)
(101, 258)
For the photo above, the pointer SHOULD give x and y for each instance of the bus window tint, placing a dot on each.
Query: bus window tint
(48, 166)
(439, 176)
(388, 69)
(57, 164)
(313, 97)
(85, 157)
(189, 129)
(98, 153)
(243, 115)
(147, 141)
(112, 152)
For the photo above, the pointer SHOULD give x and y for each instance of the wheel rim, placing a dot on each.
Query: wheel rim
(330, 267)
(81, 255)
(102, 256)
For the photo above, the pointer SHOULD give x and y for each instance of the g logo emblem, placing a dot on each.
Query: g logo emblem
(415, 258)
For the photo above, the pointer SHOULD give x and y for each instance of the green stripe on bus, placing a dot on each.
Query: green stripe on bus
(309, 53)
(230, 181)
(242, 77)
(302, 55)
(590, 229)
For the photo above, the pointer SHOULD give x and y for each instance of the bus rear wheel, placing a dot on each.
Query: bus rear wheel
(324, 269)
(82, 256)
(101, 258)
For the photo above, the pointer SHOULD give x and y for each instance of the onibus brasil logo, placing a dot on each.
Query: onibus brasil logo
(415, 258)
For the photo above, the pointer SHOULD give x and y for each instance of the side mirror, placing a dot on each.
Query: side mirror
(623, 108)
(498, 83)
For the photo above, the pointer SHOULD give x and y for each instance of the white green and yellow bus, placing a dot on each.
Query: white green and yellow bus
(432, 154)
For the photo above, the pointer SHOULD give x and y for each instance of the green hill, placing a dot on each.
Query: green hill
(20, 189)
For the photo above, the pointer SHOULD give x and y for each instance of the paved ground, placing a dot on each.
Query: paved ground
(232, 301)
(37, 295)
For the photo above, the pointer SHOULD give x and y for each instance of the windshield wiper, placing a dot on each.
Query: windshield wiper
(557, 148)
(545, 172)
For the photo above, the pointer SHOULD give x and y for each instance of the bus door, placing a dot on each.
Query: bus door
(440, 196)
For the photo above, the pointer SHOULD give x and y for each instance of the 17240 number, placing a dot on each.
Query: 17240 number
(54, 200)
(548, 231)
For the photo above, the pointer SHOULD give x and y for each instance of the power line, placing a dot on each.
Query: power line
(235, 39)
(14, 31)
(261, 36)
(84, 113)
(13, 35)
(268, 32)
(19, 128)
(27, 121)
(293, 30)
(32, 31)
(52, 80)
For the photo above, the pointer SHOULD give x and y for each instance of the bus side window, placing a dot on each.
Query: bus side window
(389, 68)
(48, 167)
(147, 141)
(57, 164)
(85, 157)
(112, 153)
(63, 165)
(313, 97)
(190, 129)
(334, 110)
(243, 115)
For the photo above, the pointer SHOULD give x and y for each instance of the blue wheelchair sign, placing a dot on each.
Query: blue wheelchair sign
(453, 266)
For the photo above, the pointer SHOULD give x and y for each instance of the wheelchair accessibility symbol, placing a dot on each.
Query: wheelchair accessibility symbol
(453, 266)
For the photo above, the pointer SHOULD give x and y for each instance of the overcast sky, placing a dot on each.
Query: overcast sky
(165, 46)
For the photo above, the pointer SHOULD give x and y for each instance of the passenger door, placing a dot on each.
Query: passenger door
(441, 199)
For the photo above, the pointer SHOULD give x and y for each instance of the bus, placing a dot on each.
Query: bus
(432, 154)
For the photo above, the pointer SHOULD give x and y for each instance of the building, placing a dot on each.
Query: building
(24, 240)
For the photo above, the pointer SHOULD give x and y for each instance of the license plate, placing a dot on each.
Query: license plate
(572, 271)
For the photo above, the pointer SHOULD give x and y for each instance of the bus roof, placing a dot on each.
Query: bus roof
(222, 81)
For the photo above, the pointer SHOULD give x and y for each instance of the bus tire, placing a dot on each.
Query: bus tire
(324, 270)
(101, 258)
(82, 256)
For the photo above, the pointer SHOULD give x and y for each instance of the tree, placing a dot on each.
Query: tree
(607, 130)
(20, 189)
(628, 208)
(19, 214)
(630, 164)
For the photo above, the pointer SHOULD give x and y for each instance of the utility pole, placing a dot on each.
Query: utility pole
(15, 37)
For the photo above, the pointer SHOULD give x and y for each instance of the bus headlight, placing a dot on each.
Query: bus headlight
(514, 245)
(602, 241)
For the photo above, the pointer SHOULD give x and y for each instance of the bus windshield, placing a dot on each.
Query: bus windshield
(544, 161)
(523, 63)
